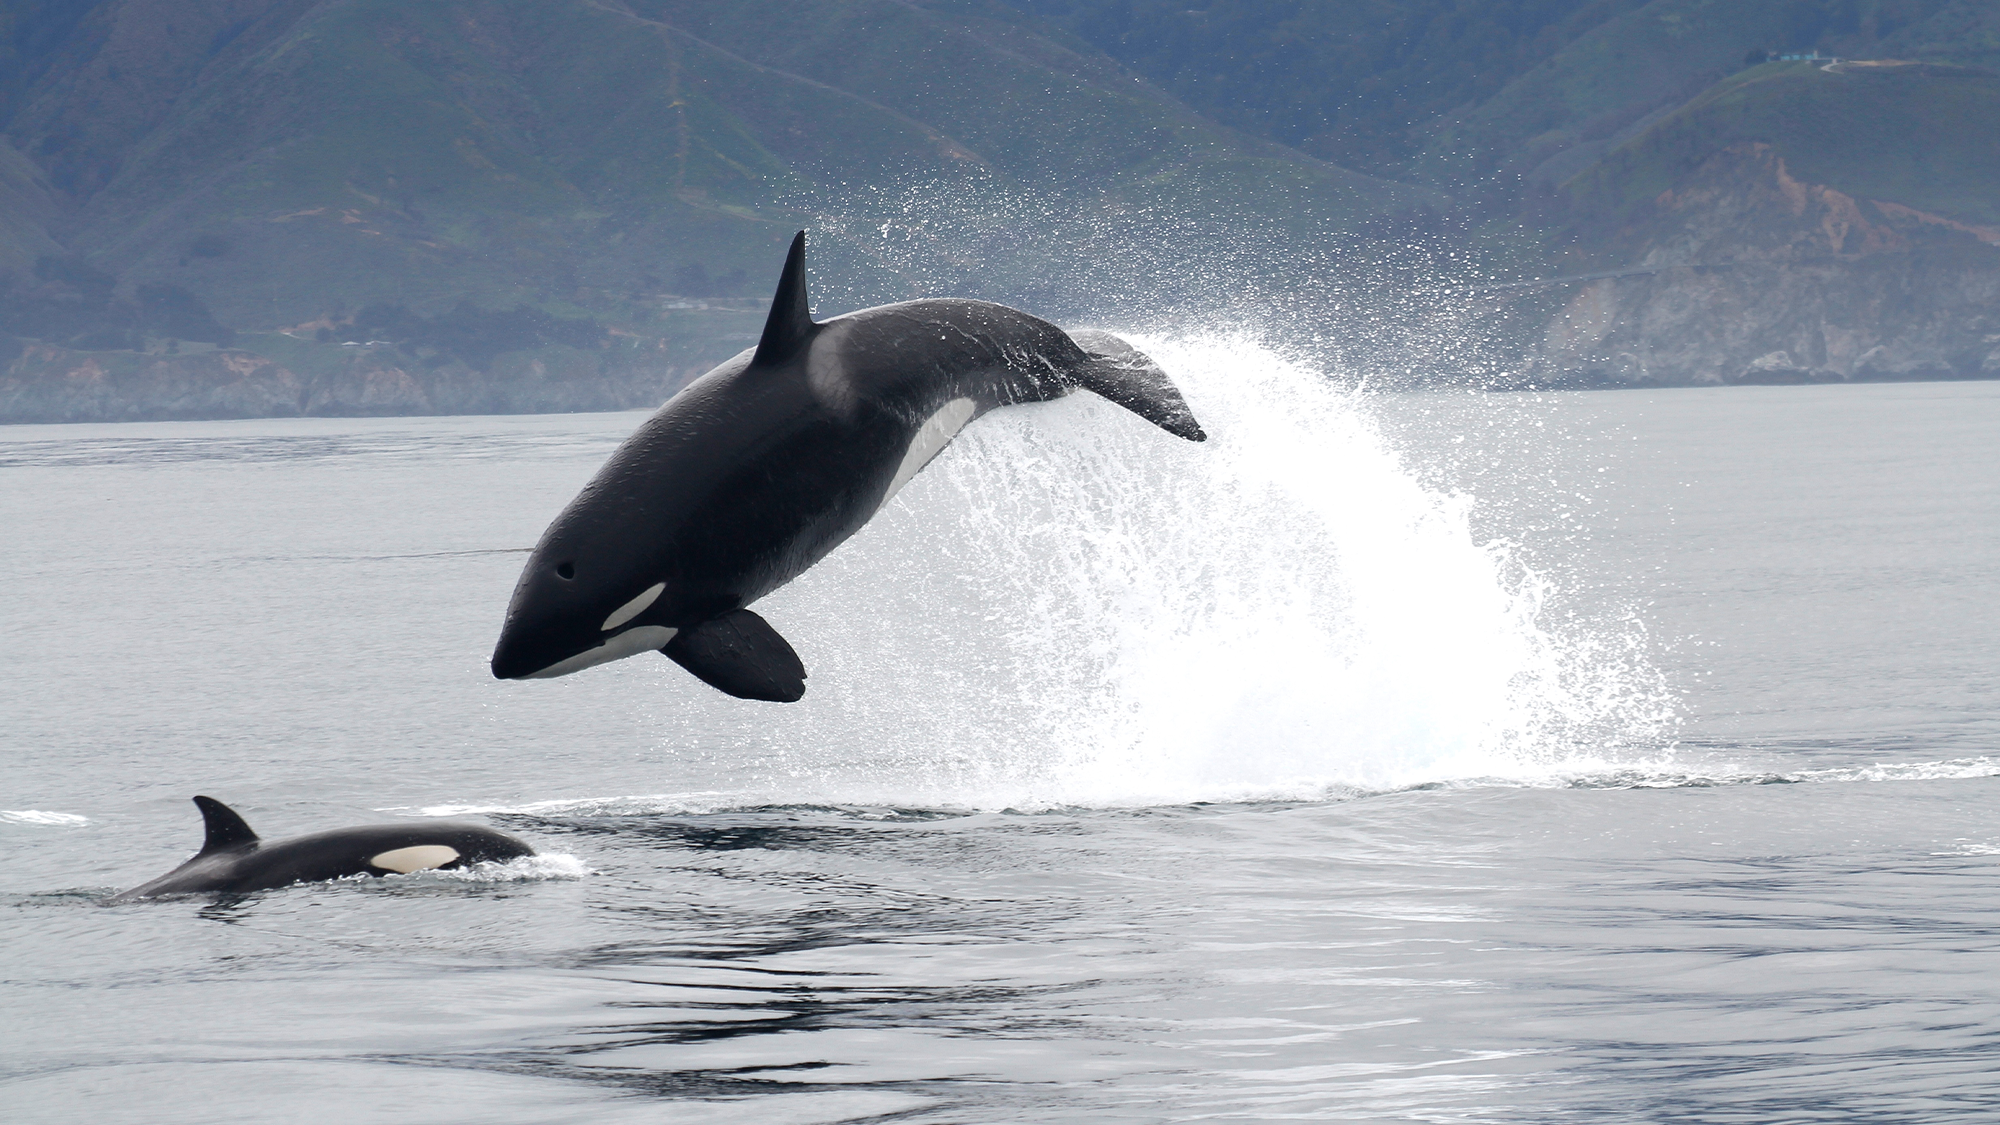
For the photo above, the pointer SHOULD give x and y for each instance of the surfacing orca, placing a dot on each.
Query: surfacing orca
(759, 468)
(233, 860)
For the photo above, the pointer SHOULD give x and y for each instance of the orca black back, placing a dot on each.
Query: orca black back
(234, 860)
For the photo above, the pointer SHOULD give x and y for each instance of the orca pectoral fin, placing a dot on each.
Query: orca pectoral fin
(1129, 377)
(740, 654)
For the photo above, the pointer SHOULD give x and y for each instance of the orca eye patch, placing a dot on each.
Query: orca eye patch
(565, 571)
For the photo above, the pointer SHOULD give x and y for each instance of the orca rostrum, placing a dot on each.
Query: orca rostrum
(757, 469)
(234, 860)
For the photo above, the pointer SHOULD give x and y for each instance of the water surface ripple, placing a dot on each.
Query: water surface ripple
(1391, 763)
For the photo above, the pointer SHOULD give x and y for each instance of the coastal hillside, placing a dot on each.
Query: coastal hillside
(1925, 136)
(1665, 191)
(1355, 83)
(603, 187)
(1799, 222)
(31, 212)
(412, 206)
(1482, 96)
(1554, 120)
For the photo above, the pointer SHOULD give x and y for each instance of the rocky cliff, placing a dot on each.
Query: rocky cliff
(1750, 275)
(1798, 222)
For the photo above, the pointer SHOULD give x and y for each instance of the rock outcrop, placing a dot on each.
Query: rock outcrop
(1755, 277)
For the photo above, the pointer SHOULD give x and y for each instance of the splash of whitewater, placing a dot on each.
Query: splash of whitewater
(1070, 608)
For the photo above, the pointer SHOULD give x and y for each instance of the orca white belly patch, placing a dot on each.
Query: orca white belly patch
(423, 857)
(936, 432)
(631, 642)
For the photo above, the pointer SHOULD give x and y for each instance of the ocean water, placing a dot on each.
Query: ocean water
(1602, 757)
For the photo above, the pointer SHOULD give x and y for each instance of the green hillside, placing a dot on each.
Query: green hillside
(1961, 33)
(1557, 117)
(286, 161)
(1921, 135)
(400, 197)
(1350, 82)
(1474, 95)
(30, 211)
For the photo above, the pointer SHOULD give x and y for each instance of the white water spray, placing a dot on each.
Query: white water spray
(1071, 607)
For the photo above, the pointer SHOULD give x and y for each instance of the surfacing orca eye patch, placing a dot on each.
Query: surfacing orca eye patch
(423, 857)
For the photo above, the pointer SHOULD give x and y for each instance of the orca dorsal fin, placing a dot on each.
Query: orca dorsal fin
(226, 830)
(790, 325)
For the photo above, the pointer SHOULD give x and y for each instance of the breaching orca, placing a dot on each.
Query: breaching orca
(233, 860)
(759, 468)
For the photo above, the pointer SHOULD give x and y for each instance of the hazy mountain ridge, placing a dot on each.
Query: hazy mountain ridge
(1453, 91)
(287, 177)
(1350, 82)
(696, 130)
(1778, 222)
(287, 163)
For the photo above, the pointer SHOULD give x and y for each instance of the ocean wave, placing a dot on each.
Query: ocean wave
(541, 867)
(664, 804)
(42, 817)
(1671, 776)
(1664, 773)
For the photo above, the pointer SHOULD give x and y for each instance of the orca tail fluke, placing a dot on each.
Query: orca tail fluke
(225, 829)
(740, 654)
(1129, 377)
(790, 325)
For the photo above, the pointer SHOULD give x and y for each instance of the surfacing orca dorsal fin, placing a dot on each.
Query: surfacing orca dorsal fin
(226, 830)
(790, 325)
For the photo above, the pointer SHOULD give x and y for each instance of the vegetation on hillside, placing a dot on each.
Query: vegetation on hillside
(1920, 135)
(1353, 82)
(484, 178)
(472, 336)
(33, 37)
(1493, 99)
(575, 156)
(67, 301)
